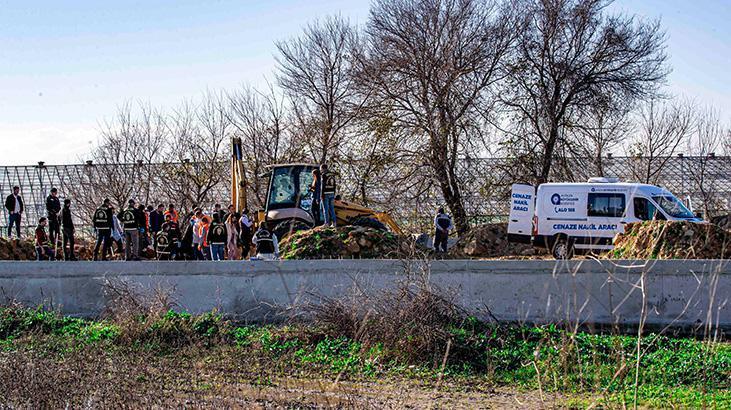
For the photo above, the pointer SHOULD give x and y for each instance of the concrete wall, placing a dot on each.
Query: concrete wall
(679, 293)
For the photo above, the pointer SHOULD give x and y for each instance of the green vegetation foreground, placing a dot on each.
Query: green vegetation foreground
(169, 357)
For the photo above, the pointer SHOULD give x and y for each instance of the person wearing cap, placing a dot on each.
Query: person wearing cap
(53, 209)
(14, 205)
(130, 219)
(43, 251)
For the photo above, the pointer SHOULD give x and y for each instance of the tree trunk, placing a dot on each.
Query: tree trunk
(547, 160)
(452, 196)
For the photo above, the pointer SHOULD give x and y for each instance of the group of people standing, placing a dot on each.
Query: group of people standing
(224, 234)
(59, 221)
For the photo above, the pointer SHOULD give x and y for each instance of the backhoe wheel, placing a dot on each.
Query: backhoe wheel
(288, 227)
(369, 223)
(563, 248)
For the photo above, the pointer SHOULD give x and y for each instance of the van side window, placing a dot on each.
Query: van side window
(606, 205)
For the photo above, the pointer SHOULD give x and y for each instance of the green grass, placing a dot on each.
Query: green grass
(685, 372)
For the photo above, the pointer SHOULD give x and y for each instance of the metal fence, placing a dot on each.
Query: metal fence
(706, 181)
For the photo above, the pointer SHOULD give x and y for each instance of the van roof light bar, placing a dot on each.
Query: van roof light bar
(603, 180)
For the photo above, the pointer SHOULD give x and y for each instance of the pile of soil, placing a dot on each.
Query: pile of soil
(672, 240)
(349, 242)
(17, 250)
(490, 241)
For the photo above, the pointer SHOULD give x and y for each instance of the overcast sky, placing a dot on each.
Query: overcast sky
(67, 65)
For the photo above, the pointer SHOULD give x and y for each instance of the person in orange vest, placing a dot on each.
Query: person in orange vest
(203, 227)
(173, 213)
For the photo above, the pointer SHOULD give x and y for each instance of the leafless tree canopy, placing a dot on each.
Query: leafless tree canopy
(433, 64)
(663, 126)
(570, 55)
(315, 71)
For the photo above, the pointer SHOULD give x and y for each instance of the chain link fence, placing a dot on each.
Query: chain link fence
(412, 200)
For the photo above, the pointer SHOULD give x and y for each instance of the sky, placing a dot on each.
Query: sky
(67, 65)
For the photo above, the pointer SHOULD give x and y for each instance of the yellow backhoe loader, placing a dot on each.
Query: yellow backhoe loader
(289, 200)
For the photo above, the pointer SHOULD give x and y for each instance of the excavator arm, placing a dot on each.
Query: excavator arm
(238, 176)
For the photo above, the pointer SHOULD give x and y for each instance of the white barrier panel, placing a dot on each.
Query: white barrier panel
(691, 293)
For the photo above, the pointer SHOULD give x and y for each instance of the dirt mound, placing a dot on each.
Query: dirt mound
(17, 250)
(342, 242)
(672, 240)
(490, 241)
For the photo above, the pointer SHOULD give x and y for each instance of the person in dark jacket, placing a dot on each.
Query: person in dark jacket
(217, 237)
(328, 195)
(157, 218)
(168, 239)
(53, 210)
(246, 234)
(266, 242)
(130, 218)
(316, 189)
(103, 221)
(43, 251)
(67, 227)
(14, 205)
(442, 226)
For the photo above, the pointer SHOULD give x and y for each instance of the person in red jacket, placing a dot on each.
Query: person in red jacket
(43, 250)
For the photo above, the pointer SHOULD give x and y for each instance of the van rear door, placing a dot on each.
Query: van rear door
(522, 208)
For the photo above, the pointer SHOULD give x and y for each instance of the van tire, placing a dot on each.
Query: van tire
(562, 248)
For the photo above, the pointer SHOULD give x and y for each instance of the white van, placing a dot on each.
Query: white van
(584, 217)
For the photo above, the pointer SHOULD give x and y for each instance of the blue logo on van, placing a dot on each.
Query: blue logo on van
(556, 199)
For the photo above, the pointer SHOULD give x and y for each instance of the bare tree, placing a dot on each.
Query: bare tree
(570, 54)
(315, 71)
(120, 169)
(198, 151)
(599, 130)
(263, 124)
(432, 63)
(703, 145)
(662, 128)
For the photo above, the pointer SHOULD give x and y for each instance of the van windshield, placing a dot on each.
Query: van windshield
(673, 207)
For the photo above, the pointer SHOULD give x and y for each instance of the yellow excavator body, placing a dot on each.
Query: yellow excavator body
(289, 200)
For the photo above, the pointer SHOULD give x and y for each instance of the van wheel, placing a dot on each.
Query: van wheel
(562, 248)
